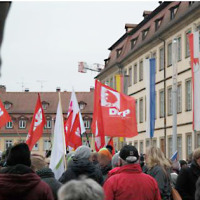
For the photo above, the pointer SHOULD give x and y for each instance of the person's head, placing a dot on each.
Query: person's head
(38, 162)
(129, 155)
(183, 164)
(19, 154)
(86, 189)
(196, 156)
(115, 160)
(110, 148)
(94, 157)
(82, 152)
(104, 157)
(155, 156)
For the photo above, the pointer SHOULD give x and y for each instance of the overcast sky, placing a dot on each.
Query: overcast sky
(46, 40)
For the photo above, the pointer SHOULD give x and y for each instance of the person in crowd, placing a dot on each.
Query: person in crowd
(81, 165)
(142, 163)
(104, 158)
(197, 193)
(183, 164)
(159, 168)
(115, 161)
(41, 168)
(17, 179)
(174, 172)
(110, 148)
(187, 178)
(94, 158)
(85, 189)
(129, 182)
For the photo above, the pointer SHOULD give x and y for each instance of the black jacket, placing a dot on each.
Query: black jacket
(186, 181)
(48, 177)
(82, 167)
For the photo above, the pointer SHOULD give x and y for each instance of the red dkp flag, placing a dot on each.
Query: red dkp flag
(116, 112)
(4, 116)
(37, 125)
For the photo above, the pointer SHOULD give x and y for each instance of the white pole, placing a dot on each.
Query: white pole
(174, 95)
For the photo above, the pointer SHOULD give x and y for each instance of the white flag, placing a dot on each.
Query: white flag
(57, 162)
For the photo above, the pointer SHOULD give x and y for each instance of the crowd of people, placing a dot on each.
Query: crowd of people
(99, 175)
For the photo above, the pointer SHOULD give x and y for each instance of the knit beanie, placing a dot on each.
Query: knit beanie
(129, 154)
(105, 152)
(19, 154)
(82, 152)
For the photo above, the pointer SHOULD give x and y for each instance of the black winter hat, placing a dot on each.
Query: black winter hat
(129, 154)
(19, 154)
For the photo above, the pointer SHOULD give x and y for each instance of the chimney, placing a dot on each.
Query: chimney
(58, 89)
(26, 90)
(129, 27)
(91, 89)
(2, 88)
(146, 13)
(160, 2)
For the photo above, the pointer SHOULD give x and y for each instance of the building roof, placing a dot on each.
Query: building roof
(162, 13)
(24, 102)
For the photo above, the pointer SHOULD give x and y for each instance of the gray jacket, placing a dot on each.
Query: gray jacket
(163, 180)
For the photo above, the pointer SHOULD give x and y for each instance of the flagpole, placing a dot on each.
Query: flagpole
(174, 94)
(63, 134)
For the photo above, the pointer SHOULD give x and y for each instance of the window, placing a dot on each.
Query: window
(87, 124)
(169, 101)
(9, 125)
(169, 147)
(141, 147)
(188, 145)
(141, 71)
(162, 103)
(111, 82)
(188, 95)
(191, 3)
(136, 144)
(173, 11)
(119, 51)
(154, 143)
(141, 110)
(169, 54)
(179, 98)
(187, 46)
(7, 106)
(179, 48)
(130, 77)
(136, 109)
(36, 147)
(8, 143)
(144, 33)
(161, 58)
(47, 145)
(22, 124)
(48, 124)
(133, 42)
(135, 74)
(179, 146)
(198, 140)
(158, 23)
(147, 143)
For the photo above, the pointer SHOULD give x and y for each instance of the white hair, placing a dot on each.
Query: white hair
(85, 189)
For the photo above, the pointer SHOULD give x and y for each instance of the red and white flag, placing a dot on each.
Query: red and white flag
(114, 113)
(74, 126)
(110, 142)
(37, 125)
(4, 116)
(195, 65)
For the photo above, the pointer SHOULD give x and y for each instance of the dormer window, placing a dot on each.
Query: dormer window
(82, 105)
(45, 105)
(173, 11)
(158, 23)
(133, 42)
(119, 51)
(144, 33)
(7, 105)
